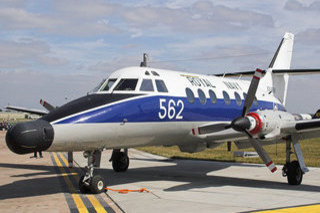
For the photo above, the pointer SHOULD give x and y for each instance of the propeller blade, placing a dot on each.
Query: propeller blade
(251, 91)
(214, 128)
(262, 153)
(46, 105)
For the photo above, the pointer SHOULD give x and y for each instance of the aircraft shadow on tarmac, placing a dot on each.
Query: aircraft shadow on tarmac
(192, 173)
(34, 186)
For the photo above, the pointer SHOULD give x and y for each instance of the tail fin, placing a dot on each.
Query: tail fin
(278, 84)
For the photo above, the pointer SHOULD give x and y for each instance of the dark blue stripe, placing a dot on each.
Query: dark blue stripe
(146, 109)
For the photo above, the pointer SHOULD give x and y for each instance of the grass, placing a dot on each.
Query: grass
(310, 149)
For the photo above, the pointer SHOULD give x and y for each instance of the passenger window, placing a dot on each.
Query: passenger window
(238, 98)
(244, 96)
(213, 96)
(146, 85)
(155, 73)
(255, 101)
(161, 86)
(202, 96)
(190, 95)
(226, 97)
(127, 85)
(109, 84)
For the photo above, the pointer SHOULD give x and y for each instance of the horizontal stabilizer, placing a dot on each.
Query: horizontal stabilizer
(274, 71)
(32, 111)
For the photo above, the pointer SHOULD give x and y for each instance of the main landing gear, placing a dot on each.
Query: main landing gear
(91, 183)
(120, 160)
(294, 170)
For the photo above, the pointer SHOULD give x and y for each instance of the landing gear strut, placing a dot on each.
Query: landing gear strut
(292, 170)
(90, 183)
(120, 160)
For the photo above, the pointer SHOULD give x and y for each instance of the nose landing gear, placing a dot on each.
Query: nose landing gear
(90, 183)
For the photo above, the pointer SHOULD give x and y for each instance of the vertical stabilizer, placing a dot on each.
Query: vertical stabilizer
(283, 55)
(278, 84)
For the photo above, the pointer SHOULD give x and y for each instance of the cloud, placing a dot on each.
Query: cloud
(24, 53)
(26, 88)
(67, 18)
(294, 5)
(200, 17)
(309, 37)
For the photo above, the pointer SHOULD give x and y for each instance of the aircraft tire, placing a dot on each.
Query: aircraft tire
(84, 189)
(120, 162)
(294, 173)
(97, 184)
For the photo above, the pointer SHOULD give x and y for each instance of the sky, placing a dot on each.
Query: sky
(59, 50)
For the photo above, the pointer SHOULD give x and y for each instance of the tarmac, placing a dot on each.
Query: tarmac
(48, 185)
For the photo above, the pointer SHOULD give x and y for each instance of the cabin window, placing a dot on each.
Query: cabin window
(155, 73)
(190, 95)
(109, 84)
(146, 85)
(202, 96)
(161, 86)
(126, 85)
(238, 98)
(96, 89)
(147, 73)
(244, 96)
(226, 97)
(213, 96)
(255, 101)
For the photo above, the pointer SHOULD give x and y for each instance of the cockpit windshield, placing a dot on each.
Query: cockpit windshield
(96, 89)
(109, 84)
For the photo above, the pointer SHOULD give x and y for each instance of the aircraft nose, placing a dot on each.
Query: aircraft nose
(30, 136)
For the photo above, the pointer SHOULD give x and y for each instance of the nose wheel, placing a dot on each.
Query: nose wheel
(90, 183)
(120, 160)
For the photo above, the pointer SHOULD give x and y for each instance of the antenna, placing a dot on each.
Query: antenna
(145, 59)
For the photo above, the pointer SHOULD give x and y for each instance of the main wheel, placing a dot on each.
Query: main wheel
(294, 173)
(84, 189)
(120, 162)
(97, 184)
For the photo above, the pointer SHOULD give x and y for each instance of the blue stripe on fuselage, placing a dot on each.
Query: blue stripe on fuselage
(146, 109)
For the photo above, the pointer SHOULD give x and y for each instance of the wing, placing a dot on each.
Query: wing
(304, 128)
(32, 111)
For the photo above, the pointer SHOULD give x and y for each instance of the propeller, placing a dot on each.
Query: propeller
(243, 124)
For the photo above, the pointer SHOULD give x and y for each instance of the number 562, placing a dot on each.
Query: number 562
(170, 109)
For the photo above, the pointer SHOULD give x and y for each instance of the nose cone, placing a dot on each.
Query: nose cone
(30, 136)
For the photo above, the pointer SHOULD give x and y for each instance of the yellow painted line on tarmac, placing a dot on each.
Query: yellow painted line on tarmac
(95, 203)
(77, 199)
(300, 209)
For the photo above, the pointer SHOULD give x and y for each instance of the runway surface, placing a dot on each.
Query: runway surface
(46, 184)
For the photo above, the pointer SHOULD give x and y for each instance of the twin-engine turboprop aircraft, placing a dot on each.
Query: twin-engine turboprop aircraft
(143, 106)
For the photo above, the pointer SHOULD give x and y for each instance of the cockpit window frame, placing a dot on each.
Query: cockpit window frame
(106, 83)
(119, 81)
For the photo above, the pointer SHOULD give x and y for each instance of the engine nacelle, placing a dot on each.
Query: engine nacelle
(267, 123)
